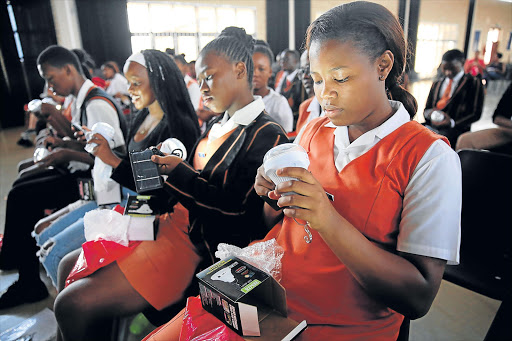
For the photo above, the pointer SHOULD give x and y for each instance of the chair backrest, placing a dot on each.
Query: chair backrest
(486, 222)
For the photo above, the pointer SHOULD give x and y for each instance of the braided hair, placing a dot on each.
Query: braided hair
(372, 29)
(168, 85)
(236, 46)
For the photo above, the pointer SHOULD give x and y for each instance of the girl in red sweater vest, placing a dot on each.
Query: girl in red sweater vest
(379, 249)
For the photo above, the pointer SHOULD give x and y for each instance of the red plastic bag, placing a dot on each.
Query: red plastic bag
(97, 254)
(200, 325)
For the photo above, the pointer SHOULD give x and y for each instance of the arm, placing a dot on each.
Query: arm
(193, 191)
(503, 122)
(474, 102)
(405, 282)
(429, 105)
(63, 156)
(99, 110)
(503, 111)
(54, 117)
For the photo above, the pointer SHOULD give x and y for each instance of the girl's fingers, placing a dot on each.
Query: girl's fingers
(161, 160)
(298, 173)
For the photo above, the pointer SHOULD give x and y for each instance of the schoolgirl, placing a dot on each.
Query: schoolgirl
(216, 201)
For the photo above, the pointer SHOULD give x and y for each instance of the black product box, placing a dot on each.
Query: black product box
(145, 171)
(142, 212)
(248, 300)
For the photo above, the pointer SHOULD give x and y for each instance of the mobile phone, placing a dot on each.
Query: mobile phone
(78, 127)
(157, 151)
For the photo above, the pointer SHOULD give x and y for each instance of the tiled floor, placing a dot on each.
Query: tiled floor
(457, 313)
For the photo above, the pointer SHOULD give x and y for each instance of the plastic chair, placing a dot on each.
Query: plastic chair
(486, 225)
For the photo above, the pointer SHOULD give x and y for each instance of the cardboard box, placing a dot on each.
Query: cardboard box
(248, 300)
(142, 212)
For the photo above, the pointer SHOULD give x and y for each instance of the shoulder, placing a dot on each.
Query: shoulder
(264, 123)
(304, 105)
(100, 103)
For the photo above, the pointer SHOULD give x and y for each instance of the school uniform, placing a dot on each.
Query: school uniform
(400, 186)
(292, 89)
(29, 197)
(117, 84)
(308, 110)
(277, 107)
(464, 105)
(193, 91)
(217, 203)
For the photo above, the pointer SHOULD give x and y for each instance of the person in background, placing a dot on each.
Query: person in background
(475, 66)
(379, 244)
(191, 83)
(88, 66)
(275, 104)
(496, 69)
(116, 83)
(192, 69)
(204, 114)
(57, 185)
(455, 101)
(494, 137)
(310, 108)
(288, 82)
(215, 201)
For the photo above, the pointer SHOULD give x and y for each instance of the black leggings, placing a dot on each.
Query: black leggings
(26, 203)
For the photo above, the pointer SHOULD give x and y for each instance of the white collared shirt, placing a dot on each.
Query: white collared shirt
(430, 221)
(455, 83)
(117, 84)
(278, 108)
(193, 91)
(97, 110)
(242, 116)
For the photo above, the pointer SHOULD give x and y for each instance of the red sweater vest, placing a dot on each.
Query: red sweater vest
(368, 192)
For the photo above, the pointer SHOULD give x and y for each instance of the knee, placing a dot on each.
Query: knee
(65, 266)
(463, 141)
(66, 307)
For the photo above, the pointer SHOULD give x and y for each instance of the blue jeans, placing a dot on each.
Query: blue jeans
(66, 234)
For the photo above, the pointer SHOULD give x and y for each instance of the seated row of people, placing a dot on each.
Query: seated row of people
(378, 249)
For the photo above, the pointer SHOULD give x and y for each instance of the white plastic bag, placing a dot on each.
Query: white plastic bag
(107, 225)
(265, 256)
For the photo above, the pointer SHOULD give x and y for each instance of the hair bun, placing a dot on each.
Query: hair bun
(240, 34)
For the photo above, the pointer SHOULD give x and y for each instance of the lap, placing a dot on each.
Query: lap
(106, 293)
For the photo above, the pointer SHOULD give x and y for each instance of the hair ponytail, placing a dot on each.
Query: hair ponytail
(397, 93)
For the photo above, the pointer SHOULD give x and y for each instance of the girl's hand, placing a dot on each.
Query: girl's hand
(58, 157)
(444, 123)
(80, 135)
(263, 185)
(166, 164)
(103, 151)
(310, 203)
(52, 142)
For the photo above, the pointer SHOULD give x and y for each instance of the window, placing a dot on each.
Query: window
(434, 39)
(187, 28)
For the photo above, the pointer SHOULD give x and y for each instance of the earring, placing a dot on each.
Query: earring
(381, 77)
